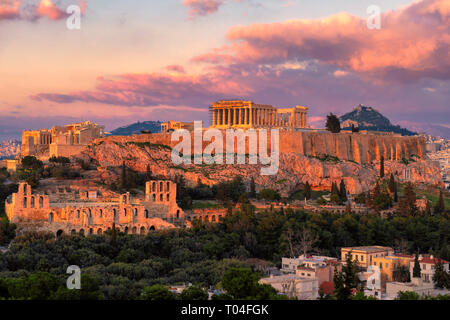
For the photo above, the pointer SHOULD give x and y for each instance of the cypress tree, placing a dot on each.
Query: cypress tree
(391, 184)
(307, 191)
(441, 278)
(123, 177)
(342, 191)
(440, 205)
(382, 167)
(148, 173)
(416, 269)
(252, 188)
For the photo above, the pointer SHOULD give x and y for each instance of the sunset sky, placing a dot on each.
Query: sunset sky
(168, 59)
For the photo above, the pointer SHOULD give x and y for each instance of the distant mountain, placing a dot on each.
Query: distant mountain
(136, 128)
(367, 118)
(431, 129)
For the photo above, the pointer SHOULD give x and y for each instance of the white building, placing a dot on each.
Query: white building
(294, 286)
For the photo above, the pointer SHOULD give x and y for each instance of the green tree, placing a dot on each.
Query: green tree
(307, 190)
(242, 283)
(252, 193)
(440, 205)
(407, 295)
(157, 292)
(441, 278)
(407, 204)
(194, 293)
(346, 280)
(342, 191)
(333, 124)
(416, 269)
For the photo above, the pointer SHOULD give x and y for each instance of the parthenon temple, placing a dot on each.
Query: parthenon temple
(247, 114)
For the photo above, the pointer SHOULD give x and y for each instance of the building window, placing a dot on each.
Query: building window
(424, 267)
(100, 214)
(362, 258)
(25, 202)
(125, 212)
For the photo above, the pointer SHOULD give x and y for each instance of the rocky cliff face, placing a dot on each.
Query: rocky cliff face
(294, 168)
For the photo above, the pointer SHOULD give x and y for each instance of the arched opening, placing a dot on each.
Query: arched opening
(59, 233)
(50, 217)
(135, 212)
(134, 230)
(32, 202)
(146, 213)
(124, 199)
(81, 232)
(41, 202)
(90, 231)
(153, 186)
(125, 230)
(100, 213)
(73, 231)
(154, 197)
(115, 215)
(206, 218)
(124, 212)
(89, 213)
(160, 187)
(142, 230)
(168, 186)
(99, 231)
(24, 202)
(178, 214)
(213, 218)
(161, 197)
(152, 228)
(167, 197)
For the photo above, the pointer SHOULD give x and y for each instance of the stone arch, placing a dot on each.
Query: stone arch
(50, 217)
(90, 231)
(152, 228)
(24, 202)
(142, 230)
(125, 230)
(41, 202)
(167, 197)
(161, 197)
(81, 232)
(99, 231)
(59, 233)
(73, 231)
(32, 202)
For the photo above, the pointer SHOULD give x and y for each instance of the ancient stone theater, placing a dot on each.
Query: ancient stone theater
(63, 210)
(60, 141)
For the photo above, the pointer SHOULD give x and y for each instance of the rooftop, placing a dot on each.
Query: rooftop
(368, 249)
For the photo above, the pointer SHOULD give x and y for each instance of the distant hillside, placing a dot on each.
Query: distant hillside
(367, 118)
(9, 149)
(136, 128)
(431, 129)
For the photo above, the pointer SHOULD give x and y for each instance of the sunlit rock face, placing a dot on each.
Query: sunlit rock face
(302, 159)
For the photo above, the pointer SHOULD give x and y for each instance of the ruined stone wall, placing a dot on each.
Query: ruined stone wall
(129, 215)
(361, 148)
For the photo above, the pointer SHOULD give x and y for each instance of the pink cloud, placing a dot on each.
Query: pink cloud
(47, 9)
(202, 7)
(9, 10)
(413, 43)
(175, 68)
(32, 11)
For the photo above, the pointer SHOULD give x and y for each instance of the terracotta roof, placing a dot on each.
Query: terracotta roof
(404, 255)
(432, 261)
